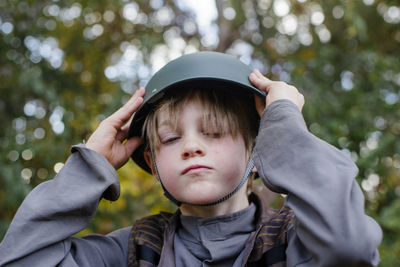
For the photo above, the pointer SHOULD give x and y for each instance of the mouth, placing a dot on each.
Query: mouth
(195, 168)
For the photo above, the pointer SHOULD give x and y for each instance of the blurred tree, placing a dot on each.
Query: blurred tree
(66, 65)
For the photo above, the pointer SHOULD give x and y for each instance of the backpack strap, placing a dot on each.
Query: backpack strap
(146, 239)
(146, 253)
(273, 256)
(270, 244)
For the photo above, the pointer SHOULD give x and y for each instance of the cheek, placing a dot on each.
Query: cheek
(232, 154)
(235, 148)
(167, 166)
(162, 161)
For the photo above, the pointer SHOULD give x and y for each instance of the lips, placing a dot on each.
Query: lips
(195, 168)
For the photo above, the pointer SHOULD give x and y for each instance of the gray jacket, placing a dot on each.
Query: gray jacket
(330, 228)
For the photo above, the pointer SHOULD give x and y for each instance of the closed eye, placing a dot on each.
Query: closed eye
(212, 135)
(169, 140)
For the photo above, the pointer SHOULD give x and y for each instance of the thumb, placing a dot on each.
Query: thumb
(260, 104)
(132, 144)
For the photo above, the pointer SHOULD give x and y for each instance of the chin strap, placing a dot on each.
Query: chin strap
(249, 168)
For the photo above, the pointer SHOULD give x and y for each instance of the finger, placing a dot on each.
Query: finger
(139, 93)
(133, 103)
(255, 80)
(260, 81)
(260, 104)
(121, 135)
(127, 124)
(259, 74)
(132, 144)
(126, 111)
(123, 132)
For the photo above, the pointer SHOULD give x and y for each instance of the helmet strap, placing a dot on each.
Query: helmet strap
(249, 168)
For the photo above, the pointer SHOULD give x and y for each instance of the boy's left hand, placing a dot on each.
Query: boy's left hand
(275, 90)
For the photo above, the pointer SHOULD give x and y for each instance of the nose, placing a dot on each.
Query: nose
(192, 148)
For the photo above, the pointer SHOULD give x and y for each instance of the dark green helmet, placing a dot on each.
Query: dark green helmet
(205, 68)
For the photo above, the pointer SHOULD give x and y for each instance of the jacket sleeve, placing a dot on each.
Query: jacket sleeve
(40, 233)
(331, 228)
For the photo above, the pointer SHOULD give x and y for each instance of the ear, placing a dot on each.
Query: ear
(149, 160)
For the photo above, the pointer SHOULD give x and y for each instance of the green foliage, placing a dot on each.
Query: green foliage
(66, 65)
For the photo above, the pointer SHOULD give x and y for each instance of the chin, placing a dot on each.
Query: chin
(203, 198)
(202, 191)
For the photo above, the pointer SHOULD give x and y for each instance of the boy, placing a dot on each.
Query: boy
(199, 144)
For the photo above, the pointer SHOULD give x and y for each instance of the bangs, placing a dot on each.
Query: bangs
(223, 114)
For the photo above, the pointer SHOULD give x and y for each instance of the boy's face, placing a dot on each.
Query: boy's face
(198, 165)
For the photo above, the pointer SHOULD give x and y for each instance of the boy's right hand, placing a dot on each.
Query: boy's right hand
(109, 137)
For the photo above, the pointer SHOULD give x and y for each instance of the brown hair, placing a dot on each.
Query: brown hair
(229, 112)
